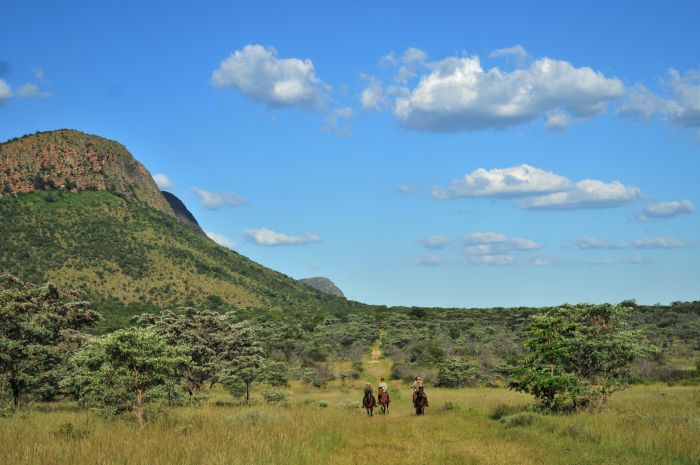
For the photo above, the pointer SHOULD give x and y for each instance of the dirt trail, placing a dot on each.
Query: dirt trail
(375, 363)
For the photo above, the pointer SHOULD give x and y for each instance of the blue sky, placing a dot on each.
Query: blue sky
(440, 155)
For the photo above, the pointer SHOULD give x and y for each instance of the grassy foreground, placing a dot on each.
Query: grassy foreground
(644, 425)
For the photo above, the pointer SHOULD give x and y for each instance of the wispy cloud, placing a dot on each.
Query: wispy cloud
(428, 260)
(491, 260)
(163, 181)
(661, 242)
(436, 242)
(216, 200)
(221, 239)
(492, 243)
(593, 243)
(680, 103)
(264, 236)
(406, 189)
(665, 210)
(633, 260)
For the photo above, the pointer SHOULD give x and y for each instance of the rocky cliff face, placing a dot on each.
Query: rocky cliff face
(323, 284)
(74, 161)
(181, 211)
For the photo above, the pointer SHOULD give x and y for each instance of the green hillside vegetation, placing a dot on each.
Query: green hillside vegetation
(128, 259)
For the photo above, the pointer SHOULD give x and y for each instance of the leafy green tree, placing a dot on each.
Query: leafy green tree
(128, 370)
(577, 355)
(202, 334)
(456, 373)
(39, 327)
(243, 359)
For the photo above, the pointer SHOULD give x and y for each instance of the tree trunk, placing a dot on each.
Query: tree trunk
(138, 408)
(247, 392)
(16, 395)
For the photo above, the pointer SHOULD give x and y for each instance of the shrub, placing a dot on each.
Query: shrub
(456, 373)
(68, 430)
(273, 396)
(519, 419)
(503, 410)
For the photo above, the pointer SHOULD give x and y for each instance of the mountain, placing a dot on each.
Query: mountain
(181, 211)
(323, 284)
(74, 161)
(80, 211)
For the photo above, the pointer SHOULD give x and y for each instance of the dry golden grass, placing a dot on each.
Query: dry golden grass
(644, 425)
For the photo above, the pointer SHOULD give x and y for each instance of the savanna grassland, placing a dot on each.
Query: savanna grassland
(647, 424)
(653, 424)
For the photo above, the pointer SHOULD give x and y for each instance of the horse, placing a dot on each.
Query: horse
(384, 401)
(369, 402)
(420, 401)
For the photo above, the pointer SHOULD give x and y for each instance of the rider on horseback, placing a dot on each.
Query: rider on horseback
(417, 384)
(382, 387)
(369, 395)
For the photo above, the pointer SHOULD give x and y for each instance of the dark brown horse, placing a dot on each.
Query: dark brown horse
(369, 402)
(420, 401)
(384, 401)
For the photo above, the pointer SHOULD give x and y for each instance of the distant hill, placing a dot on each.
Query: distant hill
(79, 210)
(181, 211)
(323, 284)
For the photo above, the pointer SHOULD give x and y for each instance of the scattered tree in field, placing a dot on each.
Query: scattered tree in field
(244, 360)
(39, 328)
(128, 370)
(456, 373)
(202, 335)
(576, 355)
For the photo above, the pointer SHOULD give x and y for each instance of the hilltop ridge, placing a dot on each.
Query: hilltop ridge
(73, 161)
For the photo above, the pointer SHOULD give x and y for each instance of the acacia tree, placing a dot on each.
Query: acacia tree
(243, 360)
(127, 370)
(202, 335)
(577, 355)
(39, 327)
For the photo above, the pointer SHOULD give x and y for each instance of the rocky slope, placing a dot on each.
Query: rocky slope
(73, 161)
(323, 284)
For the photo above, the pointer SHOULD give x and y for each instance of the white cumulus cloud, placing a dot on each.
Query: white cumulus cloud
(216, 200)
(264, 236)
(666, 210)
(221, 239)
(458, 94)
(504, 182)
(589, 193)
(163, 181)
(257, 73)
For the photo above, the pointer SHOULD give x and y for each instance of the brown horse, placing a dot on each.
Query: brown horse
(369, 402)
(384, 401)
(420, 401)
